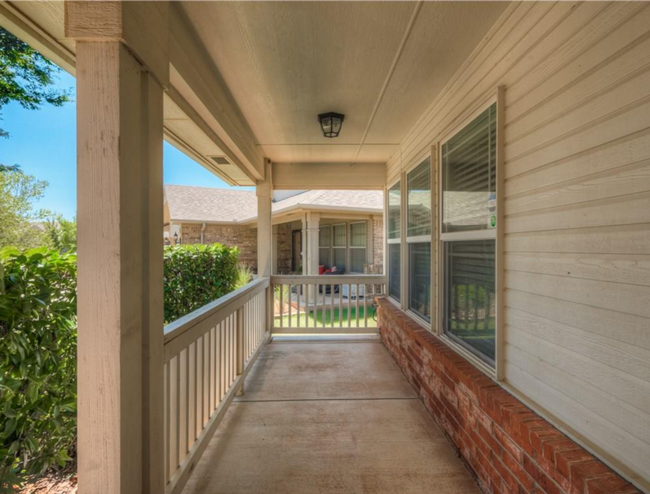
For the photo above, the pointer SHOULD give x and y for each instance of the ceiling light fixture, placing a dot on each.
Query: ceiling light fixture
(331, 123)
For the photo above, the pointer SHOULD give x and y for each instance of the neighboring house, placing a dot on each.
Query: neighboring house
(349, 224)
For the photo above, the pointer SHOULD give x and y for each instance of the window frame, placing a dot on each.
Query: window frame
(405, 251)
(496, 370)
(398, 180)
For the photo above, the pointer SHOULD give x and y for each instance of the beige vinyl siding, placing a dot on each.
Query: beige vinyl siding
(577, 212)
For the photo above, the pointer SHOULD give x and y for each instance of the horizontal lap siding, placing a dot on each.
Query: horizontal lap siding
(577, 211)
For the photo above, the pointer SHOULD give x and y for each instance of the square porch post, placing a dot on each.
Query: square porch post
(120, 215)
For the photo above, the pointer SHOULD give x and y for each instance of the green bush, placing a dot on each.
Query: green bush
(38, 385)
(196, 275)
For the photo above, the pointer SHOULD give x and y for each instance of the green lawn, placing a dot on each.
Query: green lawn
(324, 316)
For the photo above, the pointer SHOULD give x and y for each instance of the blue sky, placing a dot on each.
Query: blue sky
(43, 143)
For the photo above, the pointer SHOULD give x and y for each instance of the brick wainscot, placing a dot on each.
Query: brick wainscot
(508, 447)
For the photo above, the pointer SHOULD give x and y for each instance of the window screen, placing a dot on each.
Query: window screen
(470, 302)
(394, 270)
(419, 294)
(357, 234)
(419, 200)
(469, 175)
(340, 236)
(394, 208)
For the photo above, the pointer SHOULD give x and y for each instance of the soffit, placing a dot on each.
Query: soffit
(379, 63)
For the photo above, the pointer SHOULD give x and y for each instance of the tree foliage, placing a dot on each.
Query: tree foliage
(18, 219)
(62, 234)
(26, 76)
(195, 275)
(38, 333)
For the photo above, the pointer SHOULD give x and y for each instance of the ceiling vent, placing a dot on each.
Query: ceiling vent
(220, 160)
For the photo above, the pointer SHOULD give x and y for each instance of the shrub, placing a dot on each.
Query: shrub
(38, 385)
(244, 276)
(195, 275)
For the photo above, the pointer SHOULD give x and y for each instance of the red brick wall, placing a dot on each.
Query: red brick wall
(508, 447)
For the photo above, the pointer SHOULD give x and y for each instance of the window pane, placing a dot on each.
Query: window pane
(339, 259)
(325, 236)
(394, 270)
(470, 295)
(419, 200)
(469, 176)
(357, 260)
(357, 234)
(420, 279)
(324, 257)
(394, 207)
(339, 235)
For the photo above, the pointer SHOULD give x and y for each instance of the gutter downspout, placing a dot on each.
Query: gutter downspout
(202, 230)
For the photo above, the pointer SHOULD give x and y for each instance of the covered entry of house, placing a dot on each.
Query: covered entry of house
(512, 143)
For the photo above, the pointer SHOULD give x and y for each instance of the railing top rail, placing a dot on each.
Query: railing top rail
(226, 304)
(328, 279)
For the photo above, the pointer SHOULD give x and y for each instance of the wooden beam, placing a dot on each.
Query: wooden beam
(333, 176)
(21, 26)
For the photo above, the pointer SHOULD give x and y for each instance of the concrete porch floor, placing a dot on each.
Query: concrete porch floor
(328, 417)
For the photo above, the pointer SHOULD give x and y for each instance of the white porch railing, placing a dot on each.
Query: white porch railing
(207, 356)
(326, 304)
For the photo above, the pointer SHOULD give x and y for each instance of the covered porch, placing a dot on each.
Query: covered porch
(514, 163)
(328, 417)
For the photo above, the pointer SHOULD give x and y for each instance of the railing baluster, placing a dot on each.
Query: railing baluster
(365, 307)
(332, 305)
(188, 422)
(178, 412)
(281, 305)
(168, 419)
(340, 306)
(357, 305)
(349, 285)
(290, 303)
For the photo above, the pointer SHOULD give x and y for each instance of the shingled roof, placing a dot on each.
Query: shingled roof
(206, 204)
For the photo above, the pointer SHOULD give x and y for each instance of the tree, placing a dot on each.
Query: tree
(18, 192)
(26, 76)
(62, 234)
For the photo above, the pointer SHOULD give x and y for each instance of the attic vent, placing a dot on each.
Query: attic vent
(220, 160)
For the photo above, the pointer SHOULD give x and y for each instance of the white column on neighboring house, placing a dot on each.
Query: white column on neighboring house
(274, 266)
(120, 217)
(264, 191)
(303, 241)
(313, 227)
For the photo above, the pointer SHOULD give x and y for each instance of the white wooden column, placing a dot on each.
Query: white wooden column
(120, 217)
(274, 265)
(313, 227)
(264, 191)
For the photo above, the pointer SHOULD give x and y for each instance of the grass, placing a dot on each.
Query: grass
(324, 317)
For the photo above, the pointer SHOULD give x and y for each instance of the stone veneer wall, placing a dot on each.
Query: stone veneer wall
(243, 237)
(508, 447)
(378, 244)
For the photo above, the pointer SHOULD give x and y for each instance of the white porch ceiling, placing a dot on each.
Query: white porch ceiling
(379, 63)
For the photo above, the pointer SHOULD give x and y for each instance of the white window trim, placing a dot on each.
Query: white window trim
(496, 372)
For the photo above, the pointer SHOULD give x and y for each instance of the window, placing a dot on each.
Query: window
(468, 235)
(357, 247)
(339, 236)
(418, 237)
(324, 246)
(394, 239)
